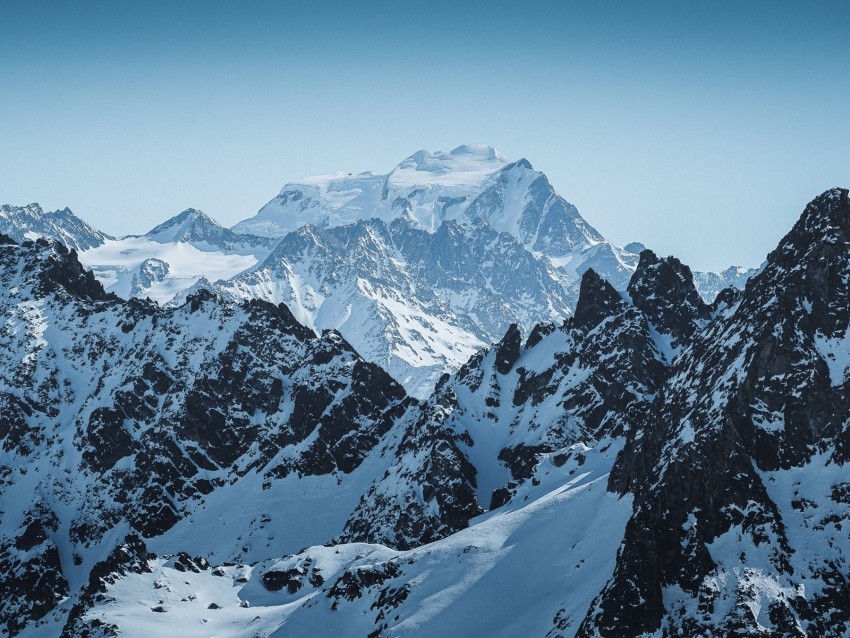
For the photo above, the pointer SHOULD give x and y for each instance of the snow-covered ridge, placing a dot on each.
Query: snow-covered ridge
(173, 257)
(184, 227)
(195, 227)
(428, 187)
(419, 304)
(30, 222)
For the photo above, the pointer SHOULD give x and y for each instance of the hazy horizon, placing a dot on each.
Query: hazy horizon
(700, 131)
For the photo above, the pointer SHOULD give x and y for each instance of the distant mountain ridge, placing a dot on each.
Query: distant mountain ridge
(428, 187)
(417, 268)
(30, 222)
(195, 227)
(174, 256)
(417, 303)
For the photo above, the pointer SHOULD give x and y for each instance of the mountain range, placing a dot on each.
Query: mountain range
(645, 464)
(417, 268)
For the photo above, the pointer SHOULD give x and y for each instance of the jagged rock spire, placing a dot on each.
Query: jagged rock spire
(507, 352)
(663, 289)
(597, 300)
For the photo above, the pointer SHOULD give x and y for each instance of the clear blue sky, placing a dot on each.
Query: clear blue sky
(701, 129)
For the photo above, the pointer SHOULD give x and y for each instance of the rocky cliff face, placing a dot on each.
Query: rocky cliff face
(736, 471)
(728, 424)
(416, 303)
(565, 391)
(121, 417)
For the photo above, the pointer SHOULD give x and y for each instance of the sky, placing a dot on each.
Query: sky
(698, 128)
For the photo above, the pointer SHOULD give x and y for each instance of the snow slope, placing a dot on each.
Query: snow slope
(173, 257)
(463, 585)
(142, 267)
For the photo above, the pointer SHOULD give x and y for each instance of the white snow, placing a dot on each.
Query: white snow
(835, 352)
(423, 180)
(117, 261)
(506, 575)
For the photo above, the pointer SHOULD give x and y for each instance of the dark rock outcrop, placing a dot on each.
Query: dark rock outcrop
(757, 397)
(167, 405)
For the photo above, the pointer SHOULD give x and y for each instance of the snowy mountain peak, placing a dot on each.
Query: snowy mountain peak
(188, 215)
(30, 222)
(664, 290)
(482, 151)
(521, 201)
(58, 214)
(826, 219)
(467, 165)
(202, 232)
(427, 187)
(431, 187)
(186, 226)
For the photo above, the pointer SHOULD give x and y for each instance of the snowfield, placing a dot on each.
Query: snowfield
(118, 264)
(510, 573)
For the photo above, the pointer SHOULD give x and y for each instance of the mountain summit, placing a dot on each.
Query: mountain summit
(428, 187)
(420, 266)
(190, 225)
(195, 227)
